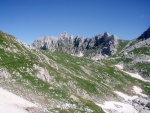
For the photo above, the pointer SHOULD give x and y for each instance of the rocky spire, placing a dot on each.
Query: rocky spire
(106, 34)
(64, 34)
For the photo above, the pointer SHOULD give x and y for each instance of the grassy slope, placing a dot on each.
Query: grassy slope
(141, 50)
(101, 75)
(14, 62)
(142, 67)
(122, 44)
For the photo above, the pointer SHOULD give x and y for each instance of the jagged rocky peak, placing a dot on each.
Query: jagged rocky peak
(99, 36)
(74, 45)
(106, 34)
(111, 45)
(63, 35)
(114, 38)
(145, 35)
(79, 38)
(71, 37)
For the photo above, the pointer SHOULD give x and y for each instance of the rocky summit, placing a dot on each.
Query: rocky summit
(110, 76)
(99, 45)
(145, 35)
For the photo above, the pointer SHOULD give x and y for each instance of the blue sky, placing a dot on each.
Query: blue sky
(32, 19)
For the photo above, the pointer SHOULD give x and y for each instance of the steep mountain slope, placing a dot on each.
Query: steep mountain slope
(138, 51)
(59, 82)
(145, 35)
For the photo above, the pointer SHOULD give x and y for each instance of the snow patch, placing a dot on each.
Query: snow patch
(126, 97)
(134, 75)
(138, 91)
(117, 107)
(11, 103)
(119, 66)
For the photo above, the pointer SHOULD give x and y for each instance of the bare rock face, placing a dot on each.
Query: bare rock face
(111, 45)
(100, 44)
(148, 105)
(145, 35)
(142, 105)
(141, 41)
(78, 41)
(46, 43)
(63, 35)
(106, 36)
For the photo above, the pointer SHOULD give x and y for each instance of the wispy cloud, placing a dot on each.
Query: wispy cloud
(143, 16)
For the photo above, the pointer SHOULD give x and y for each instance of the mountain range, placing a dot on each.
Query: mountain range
(68, 74)
(104, 45)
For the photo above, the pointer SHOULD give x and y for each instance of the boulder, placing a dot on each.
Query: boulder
(148, 105)
(141, 101)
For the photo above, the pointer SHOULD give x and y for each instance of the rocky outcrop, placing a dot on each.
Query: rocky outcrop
(110, 45)
(145, 35)
(141, 41)
(46, 43)
(142, 104)
(135, 45)
(4, 73)
(90, 47)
